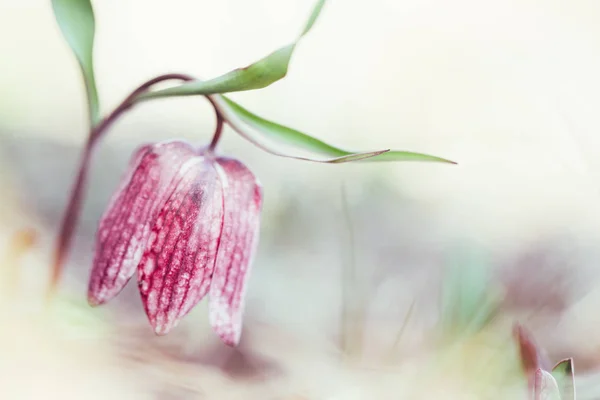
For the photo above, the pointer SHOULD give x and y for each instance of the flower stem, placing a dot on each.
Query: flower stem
(73, 209)
(218, 129)
(70, 217)
(129, 102)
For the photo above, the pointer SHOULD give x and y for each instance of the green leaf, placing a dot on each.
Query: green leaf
(313, 17)
(256, 129)
(258, 75)
(76, 21)
(564, 373)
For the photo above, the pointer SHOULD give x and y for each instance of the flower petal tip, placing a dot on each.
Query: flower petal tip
(230, 342)
(97, 298)
(94, 302)
(162, 330)
(228, 337)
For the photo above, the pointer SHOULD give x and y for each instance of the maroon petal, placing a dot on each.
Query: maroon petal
(125, 226)
(175, 271)
(242, 196)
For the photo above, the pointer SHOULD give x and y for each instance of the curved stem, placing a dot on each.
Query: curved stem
(129, 102)
(70, 217)
(218, 129)
(73, 209)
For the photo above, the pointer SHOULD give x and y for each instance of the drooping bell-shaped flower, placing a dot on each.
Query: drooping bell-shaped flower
(188, 222)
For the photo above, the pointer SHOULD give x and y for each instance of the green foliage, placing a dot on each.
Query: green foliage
(76, 21)
(258, 75)
(266, 134)
(564, 374)
(261, 131)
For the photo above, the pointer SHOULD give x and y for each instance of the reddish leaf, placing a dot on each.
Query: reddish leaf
(532, 356)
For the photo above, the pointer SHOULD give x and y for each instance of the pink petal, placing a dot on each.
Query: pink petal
(242, 196)
(175, 271)
(125, 226)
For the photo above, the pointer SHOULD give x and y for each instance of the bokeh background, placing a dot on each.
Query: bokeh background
(435, 261)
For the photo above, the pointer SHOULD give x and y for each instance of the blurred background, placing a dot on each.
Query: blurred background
(372, 281)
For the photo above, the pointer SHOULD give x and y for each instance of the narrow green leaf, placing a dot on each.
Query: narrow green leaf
(258, 75)
(76, 21)
(399, 155)
(282, 133)
(255, 76)
(313, 17)
(564, 373)
(256, 129)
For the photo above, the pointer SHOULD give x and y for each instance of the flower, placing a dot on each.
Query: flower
(188, 221)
